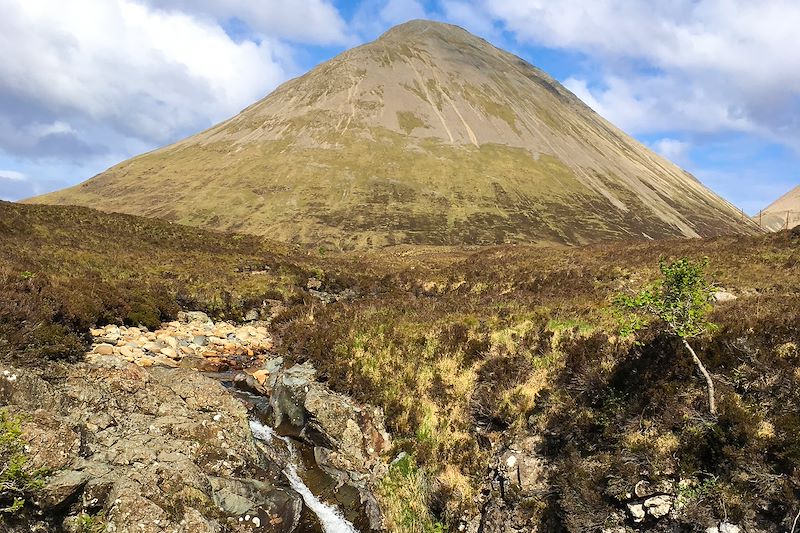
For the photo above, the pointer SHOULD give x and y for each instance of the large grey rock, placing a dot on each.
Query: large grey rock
(522, 467)
(194, 316)
(288, 398)
(61, 489)
(355, 432)
(139, 445)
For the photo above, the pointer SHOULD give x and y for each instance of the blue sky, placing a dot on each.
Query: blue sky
(713, 85)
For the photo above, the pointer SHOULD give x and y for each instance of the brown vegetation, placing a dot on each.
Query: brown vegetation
(466, 349)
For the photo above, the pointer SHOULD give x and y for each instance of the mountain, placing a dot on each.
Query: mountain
(428, 135)
(783, 213)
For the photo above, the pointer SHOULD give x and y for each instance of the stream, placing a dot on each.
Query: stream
(298, 465)
(330, 517)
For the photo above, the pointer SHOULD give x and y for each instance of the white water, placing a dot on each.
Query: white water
(329, 516)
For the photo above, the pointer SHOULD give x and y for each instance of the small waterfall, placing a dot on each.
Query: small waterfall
(329, 516)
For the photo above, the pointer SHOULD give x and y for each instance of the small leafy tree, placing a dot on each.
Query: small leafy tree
(681, 302)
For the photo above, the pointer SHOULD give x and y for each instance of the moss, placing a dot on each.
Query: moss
(18, 481)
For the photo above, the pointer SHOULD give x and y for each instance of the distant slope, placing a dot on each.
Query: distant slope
(428, 135)
(783, 213)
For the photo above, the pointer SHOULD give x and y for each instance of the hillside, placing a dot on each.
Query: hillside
(475, 356)
(783, 213)
(429, 135)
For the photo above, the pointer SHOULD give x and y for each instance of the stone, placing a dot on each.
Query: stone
(127, 352)
(724, 296)
(62, 488)
(288, 396)
(252, 315)
(152, 347)
(104, 349)
(169, 352)
(356, 432)
(637, 512)
(727, 527)
(313, 283)
(188, 317)
(658, 506)
(523, 468)
(246, 382)
(261, 376)
(199, 340)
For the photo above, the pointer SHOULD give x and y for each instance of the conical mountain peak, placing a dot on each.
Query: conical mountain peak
(427, 135)
(421, 28)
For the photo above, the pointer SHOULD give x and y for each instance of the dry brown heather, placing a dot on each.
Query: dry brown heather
(428, 135)
(465, 348)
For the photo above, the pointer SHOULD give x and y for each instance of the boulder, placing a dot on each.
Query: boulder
(355, 432)
(188, 317)
(724, 296)
(522, 467)
(248, 383)
(62, 488)
(288, 398)
(104, 349)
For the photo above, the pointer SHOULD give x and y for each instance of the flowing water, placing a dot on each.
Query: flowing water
(330, 517)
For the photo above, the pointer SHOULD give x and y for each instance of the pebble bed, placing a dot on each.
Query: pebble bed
(192, 341)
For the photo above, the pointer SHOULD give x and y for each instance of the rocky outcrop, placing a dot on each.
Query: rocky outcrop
(137, 436)
(161, 450)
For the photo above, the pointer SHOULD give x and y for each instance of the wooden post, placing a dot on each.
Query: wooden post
(760, 212)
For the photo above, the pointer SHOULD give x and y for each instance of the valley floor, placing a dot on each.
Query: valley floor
(512, 402)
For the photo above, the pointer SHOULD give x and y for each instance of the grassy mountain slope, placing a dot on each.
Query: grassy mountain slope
(428, 135)
(469, 351)
(783, 213)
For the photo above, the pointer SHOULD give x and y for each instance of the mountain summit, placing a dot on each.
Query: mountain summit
(428, 135)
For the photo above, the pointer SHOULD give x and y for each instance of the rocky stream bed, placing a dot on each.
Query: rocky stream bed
(194, 427)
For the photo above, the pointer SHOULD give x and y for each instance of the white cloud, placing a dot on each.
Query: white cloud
(13, 175)
(145, 73)
(673, 149)
(398, 11)
(307, 21)
(469, 16)
(714, 65)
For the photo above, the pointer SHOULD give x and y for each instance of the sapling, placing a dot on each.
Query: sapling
(680, 302)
